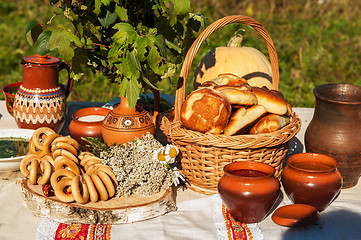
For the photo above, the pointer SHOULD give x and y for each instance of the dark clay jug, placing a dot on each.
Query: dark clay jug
(335, 129)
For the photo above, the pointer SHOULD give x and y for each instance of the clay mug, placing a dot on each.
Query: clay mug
(87, 122)
(335, 129)
(40, 100)
(312, 179)
(248, 190)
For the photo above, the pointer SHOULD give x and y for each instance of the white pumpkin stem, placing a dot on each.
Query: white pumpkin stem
(236, 40)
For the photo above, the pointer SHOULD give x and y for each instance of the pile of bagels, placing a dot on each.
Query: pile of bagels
(229, 105)
(73, 175)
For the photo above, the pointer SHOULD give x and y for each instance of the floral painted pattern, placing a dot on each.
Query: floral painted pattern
(79, 231)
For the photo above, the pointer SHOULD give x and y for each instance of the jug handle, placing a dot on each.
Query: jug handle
(69, 86)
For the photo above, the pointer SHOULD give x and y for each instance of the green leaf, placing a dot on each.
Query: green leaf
(105, 2)
(134, 60)
(154, 59)
(121, 12)
(107, 15)
(42, 44)
(181, 6)
(133, 91)
(141, 45)
(32, 32)
(160, 43)
(125, 31)
(97, 7)
(60, 39)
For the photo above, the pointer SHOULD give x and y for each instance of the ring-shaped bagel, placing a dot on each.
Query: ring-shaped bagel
(91, 162)
(46, 171)
(38, 136)
(69, 140)
(60, 188)
(49, 158)
(85, 154)
(108, 183)
(33, 149)
(97, 167)
(66, 146)
(26, 161)
(33, 171)
(65, 153)
(62, 162)
(47, 143)
(91, 188)
(85, 159)
(79, 189)
(59, 174)
(100, 187)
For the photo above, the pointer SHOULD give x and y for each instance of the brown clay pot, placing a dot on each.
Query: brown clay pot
(123, 124)
(312, 179)
(87, 122)
(41, 100)
(335, 129)
(248, 190)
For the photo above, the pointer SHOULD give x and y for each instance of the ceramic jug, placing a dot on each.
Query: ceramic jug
(335, 129)
(40, 100)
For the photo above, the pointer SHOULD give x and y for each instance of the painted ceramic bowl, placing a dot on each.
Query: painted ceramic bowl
(12, 162)
(9, 93)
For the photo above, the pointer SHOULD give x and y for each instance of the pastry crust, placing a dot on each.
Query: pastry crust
(243, 119)
(241, 94)
(206, 110)
(270, 123)
(273, 101)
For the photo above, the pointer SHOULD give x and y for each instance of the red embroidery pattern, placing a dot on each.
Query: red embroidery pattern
(235, 230)
(79, 231)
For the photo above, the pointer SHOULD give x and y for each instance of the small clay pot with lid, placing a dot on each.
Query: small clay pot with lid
(312, 178)
(249, 190)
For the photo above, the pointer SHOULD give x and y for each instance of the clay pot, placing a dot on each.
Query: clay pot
(123, 124)
(9, 93)
(335, 129)
(248, 190)
(41, 100)
(312, 179)
(87, 122)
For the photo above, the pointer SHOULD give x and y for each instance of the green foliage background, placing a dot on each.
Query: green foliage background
(317, 41)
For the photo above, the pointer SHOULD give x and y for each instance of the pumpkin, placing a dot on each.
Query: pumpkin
(244, 62)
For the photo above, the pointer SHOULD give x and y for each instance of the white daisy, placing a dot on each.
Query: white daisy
(171, 153)
(159, 155)
(178, 176)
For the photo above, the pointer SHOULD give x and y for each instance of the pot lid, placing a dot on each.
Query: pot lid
(45, 59)
(295, 215)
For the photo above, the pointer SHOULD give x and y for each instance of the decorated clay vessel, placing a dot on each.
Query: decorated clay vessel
(335, 129)
(9, 93)
(248, 190)
(312, 178)
(87, 122)
(123, 124)
(41, 100)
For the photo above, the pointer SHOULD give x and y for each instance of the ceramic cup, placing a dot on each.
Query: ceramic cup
(9, 93)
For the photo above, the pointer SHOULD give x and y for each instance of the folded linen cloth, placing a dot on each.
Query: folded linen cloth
(202, 218)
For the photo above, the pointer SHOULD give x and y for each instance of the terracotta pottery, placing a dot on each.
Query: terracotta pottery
(9, 93)
(123, 124)
(87, 122)
(248, 190)
(312, 178)
(335, 129)
(41, 100)
(295, 215)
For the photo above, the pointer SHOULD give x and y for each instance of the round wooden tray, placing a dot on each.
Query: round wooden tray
(114, 211)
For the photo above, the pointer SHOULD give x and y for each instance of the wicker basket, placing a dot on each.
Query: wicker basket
(203, 156)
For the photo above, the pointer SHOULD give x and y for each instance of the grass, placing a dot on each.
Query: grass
(317, 42)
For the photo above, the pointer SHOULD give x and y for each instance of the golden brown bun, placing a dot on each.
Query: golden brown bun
(229, 79)
(205, 110)
(273, 101)
(241, 94)
(209, 84)
(243, 119)
(269, 123)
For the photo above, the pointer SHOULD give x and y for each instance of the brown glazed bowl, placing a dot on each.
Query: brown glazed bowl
(87, 122)
(9, 93)
(312, 178)
(249, 190)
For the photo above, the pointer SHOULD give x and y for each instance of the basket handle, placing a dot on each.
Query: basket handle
(180, 92)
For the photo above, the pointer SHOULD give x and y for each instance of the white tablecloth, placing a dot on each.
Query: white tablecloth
(194, 218)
